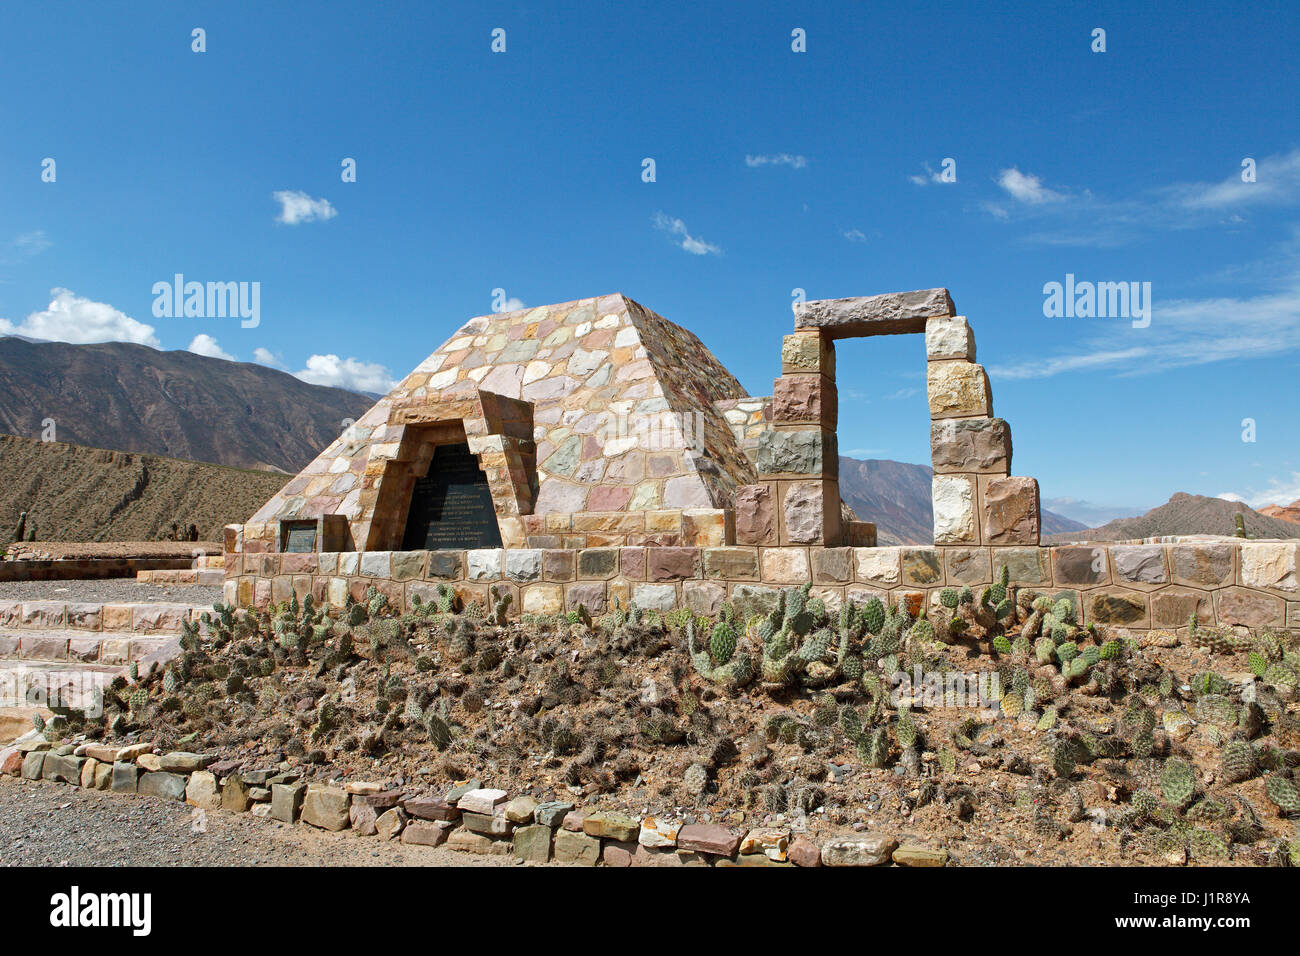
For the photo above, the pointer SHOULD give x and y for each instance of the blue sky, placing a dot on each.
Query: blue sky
(774, 170)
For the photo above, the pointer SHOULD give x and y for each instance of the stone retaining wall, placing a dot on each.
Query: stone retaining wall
(470, 817)
(1139, 586)
(83, 568)
(110, 634)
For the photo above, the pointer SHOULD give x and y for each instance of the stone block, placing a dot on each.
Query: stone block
(771, 842)
(655, 597)
(1116, 608)
(1139, 564)
(705, 527)
(543, 599)
(831, 565)
(165, 786)
(1249, 608)
(1269, 566)
(922, 567)
(533, 843)
(949, 337)
(917, 855)
(1203, 565)
(446, 565)
(466, 841)
(866, 849)
(202, 791)
(703, 597)
(1173, 607)
(62, 768)
(326, 807)
(425, 833)
(33, 767)
(808, 352)
(804, 852)
(574, 847)
(967, 565)
(958, 390)
(798, 452)
(286, 801)
(597, 563)
(709, 838)
(1080, 566)
(889, 314)
(551, 813)
(953, 497)
(484, 564)
(878, 566)
(125, 778)
(362, 816)
(235, 796)
(1025, 565)
(810, 512)
(559, 564)
(755, 515)
(481, 800)
(1011, 510)
(658, 832)
(611, 826)
(805, 400)
(672, 564)
(494, 825)
(523, 565)
(784, 565)
(590, 595)
(971, 446)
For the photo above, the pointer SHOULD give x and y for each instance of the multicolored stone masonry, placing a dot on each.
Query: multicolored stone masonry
(623, 460)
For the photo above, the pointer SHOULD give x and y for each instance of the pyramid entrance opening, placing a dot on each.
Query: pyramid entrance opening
(451, 504)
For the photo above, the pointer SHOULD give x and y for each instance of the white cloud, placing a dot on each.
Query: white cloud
(855, 235)
(1026, 187)
(32, 243)
(1278, 492)
(205, 344)
(297, 207)
(677, 228)
(930, 177)
(513, 304)
(266, 357)
(73, 318)
(777, 159)
(1183, 333)
(1277, 182)
(346, 373)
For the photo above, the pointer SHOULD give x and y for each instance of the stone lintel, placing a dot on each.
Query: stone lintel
(894, 313)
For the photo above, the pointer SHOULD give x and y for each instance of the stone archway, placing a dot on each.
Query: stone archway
(975, 499)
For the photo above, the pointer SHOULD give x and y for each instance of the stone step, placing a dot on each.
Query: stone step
(205, 577)
(140, 618)
(27, 684)
(51, 645)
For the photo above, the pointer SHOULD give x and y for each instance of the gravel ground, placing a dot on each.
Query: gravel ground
(108, 591)
(50, 824)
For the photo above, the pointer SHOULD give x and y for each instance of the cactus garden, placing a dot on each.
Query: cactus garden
(1068, 744)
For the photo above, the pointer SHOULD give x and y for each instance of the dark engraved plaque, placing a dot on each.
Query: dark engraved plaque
(451, 506)
(301, 539)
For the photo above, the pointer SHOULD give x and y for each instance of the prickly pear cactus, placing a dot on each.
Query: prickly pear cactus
(1177, 782)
